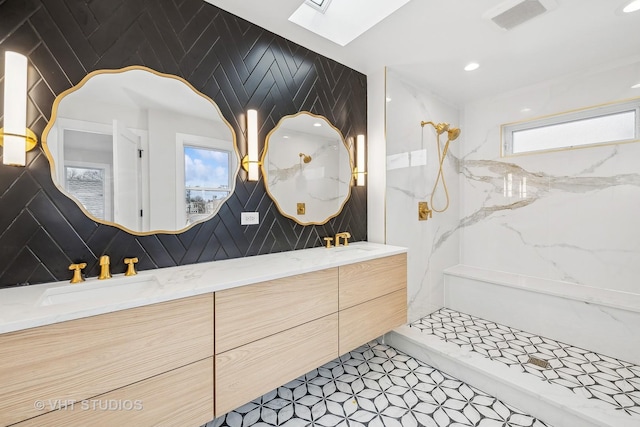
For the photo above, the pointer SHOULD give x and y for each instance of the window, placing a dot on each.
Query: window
(87, 184)
(616, 123)
(206, 181)
(319, 5)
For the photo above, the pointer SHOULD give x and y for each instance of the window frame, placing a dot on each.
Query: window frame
(507, 130)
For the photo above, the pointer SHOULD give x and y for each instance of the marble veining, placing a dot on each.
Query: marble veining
(376, 385)
(588, 374)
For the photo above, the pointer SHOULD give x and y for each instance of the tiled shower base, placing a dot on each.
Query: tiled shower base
(375, 385)
(588, 374)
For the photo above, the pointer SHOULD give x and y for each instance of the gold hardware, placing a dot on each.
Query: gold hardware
(424, 212)
(246, 162)
(104, 268)
(305, 158)
(131, 271)
(301, 208)
(452, 134)
(77, 274)
(31, 139)
(345, 235)
(328, 241)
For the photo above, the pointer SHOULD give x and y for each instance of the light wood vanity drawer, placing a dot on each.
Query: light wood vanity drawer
(249, 313)
(364, 322)
(82, 358)
(247, 372)
(367, 280)
(181, 397)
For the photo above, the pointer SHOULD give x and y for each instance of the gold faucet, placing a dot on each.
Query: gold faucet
(345, 235)
(77, 272)
(104, 268)
(131, 271)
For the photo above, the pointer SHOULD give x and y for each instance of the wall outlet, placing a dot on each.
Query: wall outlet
(249, 218)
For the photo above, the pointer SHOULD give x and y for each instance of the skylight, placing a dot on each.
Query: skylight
(343, 20)
(320, 5)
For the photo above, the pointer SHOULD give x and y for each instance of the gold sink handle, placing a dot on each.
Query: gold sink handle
(328, 241)
(77, 272)
(131, 270)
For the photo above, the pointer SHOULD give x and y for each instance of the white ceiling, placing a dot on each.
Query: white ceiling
(430, 41)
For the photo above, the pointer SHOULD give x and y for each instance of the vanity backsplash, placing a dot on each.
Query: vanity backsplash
(236, 64)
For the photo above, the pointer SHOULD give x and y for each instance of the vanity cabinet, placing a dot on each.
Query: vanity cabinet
(373, 299)
(272, 332)
(114, 354)
(185, 361)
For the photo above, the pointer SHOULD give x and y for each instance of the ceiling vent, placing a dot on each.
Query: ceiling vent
(512, 13)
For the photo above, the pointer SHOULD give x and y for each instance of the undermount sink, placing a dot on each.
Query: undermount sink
(104, 291)
(352, 248)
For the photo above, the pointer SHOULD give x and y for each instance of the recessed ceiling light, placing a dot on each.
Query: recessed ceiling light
(472, 66)
(632, 6)
(636, 86)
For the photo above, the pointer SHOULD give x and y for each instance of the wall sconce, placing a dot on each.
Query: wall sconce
(250, 161)
(15, 137)
(359, 171)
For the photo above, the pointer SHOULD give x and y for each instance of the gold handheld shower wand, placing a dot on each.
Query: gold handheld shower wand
(452, 134)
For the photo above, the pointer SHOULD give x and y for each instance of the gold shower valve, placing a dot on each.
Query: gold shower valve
(424, 212)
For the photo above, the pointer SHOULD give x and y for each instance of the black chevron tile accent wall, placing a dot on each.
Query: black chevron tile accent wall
(237, 64)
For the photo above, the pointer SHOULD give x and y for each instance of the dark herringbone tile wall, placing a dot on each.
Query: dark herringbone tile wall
(236, 63)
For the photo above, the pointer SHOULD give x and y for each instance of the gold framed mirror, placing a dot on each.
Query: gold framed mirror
(307, 168)
(141, 150)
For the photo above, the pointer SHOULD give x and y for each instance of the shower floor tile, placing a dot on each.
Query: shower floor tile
(586, 373)
(376, 385)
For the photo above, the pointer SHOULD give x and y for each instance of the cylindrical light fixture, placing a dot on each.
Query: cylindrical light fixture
(252, 145)
(16, 138)
(360, 161)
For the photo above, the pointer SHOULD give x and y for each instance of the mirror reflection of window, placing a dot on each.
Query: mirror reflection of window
(207, 181)
(88, 186)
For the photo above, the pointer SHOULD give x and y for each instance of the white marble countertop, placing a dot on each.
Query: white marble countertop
(38, 305)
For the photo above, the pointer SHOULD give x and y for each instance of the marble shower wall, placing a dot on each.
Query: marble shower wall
(412, 168)
(569, 215)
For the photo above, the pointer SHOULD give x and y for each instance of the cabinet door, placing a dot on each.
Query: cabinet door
(249, 313)
(182, 397)
(367, 280)
(364, 322)
(247, 372)
(82, 358)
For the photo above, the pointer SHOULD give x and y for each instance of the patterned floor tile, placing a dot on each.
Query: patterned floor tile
(372, 386)
(589, 374)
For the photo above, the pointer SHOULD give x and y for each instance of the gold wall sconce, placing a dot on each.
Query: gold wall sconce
(250, 162)
(359, 171)
(15, 137)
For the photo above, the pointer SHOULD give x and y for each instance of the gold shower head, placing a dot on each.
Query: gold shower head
(453, 133)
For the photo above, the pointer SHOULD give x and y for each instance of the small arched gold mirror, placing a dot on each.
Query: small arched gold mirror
(141, 150)
(307, 168)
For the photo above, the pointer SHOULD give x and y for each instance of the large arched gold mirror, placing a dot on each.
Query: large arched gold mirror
(141, 150)
(307, 168)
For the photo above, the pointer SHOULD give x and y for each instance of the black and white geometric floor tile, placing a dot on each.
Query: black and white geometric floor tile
(372, 386)
(586, 373)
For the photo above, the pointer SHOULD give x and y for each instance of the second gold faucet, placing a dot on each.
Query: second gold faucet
(104, 268)
(345, 236)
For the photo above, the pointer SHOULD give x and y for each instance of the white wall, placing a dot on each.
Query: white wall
(412, 162)
(578, 221)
